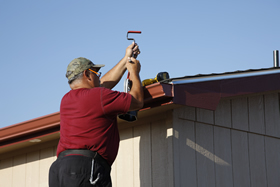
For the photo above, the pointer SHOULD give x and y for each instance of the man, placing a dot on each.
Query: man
(89, 137)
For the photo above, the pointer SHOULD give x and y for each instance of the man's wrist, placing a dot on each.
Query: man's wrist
(126, 56)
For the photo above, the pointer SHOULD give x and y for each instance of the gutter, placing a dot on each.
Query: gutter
(29, 130)
(196, 91)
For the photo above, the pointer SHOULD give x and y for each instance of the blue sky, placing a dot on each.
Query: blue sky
(39, 38)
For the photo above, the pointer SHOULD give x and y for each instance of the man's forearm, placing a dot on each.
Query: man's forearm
(136, 92)
(112, 77)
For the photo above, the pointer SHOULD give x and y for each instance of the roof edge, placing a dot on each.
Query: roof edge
(30, 126)
(205, 95)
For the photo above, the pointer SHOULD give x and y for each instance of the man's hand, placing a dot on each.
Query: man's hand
(133, 65)
(132, 49)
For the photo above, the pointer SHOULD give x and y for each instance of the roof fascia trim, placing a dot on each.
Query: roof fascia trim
(232, 75)
(32, 126)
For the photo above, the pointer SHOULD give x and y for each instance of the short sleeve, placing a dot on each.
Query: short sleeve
(114, 102)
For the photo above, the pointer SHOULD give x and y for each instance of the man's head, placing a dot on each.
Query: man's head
(79, 67)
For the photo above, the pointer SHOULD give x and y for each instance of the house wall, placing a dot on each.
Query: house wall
(145, 149)
(145, 155)
(236, 145)
(27, 167)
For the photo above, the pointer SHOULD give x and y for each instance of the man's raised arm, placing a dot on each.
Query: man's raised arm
(136, 90)
(112, 77)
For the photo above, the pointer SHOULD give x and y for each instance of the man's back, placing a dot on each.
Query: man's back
(88, 120)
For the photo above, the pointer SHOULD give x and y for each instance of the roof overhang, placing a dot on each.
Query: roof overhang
(28, 131)
(199, 93)
(205, 91)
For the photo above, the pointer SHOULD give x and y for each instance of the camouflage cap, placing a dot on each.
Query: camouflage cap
(78, 65)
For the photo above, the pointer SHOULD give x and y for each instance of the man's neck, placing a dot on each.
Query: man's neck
(79, 86)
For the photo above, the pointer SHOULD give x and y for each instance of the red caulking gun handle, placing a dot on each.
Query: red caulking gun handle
(135, 32)
(139, 32)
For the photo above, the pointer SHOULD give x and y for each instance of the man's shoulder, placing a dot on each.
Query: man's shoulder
(109, 92)
(96, 91)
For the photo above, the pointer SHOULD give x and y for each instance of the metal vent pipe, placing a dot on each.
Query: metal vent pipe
(276, 58)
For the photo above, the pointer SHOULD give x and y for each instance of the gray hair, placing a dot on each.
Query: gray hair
(76, 77)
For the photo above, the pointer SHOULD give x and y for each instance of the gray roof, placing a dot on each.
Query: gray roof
(221, 76)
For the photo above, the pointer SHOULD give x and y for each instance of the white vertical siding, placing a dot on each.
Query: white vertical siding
(256, 114)
(19, 174)
(33, 169)
(240, 114)
(223, 113)
(186, 113)
(47, 156)
(272, 114)
(184, 153)
(240, 158)
(136, 156)
(27, 169)
(142, 152)
(205, 157)
(257, 160)
(236, 145)
(145, 155)
(272, 153)
(6, 171)
(223, 159)
(125, 161)
(162, 156)
(205, 116)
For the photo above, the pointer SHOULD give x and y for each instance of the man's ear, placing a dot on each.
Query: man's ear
(86, 74)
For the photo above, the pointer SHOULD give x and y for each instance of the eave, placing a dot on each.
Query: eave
(205, 91)
(28, 130)
(199, 93)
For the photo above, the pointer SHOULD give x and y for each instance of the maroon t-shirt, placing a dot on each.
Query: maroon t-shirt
(88, 120)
